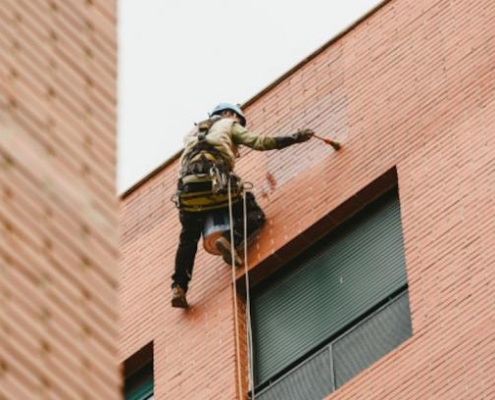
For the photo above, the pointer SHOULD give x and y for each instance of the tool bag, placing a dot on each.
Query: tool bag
(197, 193)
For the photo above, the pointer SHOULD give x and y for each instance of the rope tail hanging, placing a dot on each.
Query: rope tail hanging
(248, 302)
(248, 307)
(236, 321)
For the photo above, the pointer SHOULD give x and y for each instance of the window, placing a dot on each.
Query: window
(335, 310)
(138, 373)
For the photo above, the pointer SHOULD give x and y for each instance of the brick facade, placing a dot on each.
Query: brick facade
(58, 208)
(411, 87)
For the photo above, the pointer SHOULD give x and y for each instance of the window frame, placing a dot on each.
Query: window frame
(342, 214)
(139, 375)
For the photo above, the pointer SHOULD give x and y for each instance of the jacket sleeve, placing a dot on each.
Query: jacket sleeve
(241, 136)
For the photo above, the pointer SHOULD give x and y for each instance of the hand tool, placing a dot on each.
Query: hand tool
(333, 143)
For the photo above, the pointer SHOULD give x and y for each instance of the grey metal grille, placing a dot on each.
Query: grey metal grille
(342, 359)
(371, 339)
(337, 281)
(308, 381)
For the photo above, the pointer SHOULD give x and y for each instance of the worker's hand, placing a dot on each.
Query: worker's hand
(304, 135)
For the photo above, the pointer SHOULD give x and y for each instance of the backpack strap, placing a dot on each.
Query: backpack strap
(203, 155)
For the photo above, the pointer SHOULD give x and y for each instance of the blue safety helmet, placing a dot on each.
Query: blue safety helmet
(232, 107)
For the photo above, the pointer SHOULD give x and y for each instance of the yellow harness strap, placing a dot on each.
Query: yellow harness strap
(197, 194)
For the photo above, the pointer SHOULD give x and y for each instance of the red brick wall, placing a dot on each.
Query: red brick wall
(58, 208)
(411, 87)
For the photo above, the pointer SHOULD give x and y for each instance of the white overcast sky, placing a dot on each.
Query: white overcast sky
(179, 58)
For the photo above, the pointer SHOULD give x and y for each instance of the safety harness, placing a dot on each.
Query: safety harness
(204, 177)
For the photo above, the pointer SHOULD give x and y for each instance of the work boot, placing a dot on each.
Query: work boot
(179, 297)
(224, 247)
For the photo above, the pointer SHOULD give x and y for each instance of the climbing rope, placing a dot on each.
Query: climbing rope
(248, 302)
(236, 320)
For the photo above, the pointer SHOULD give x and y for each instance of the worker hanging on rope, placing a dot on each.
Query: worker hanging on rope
(206, 174)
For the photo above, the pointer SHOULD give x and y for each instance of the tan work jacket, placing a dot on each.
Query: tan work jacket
(226, 135)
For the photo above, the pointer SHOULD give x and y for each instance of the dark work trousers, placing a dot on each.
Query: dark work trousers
(192, 229)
